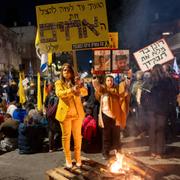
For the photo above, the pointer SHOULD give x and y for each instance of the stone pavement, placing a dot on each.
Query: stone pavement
(14, 166)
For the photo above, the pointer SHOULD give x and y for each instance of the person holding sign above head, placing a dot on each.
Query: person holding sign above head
(112, 114)
(70, 112)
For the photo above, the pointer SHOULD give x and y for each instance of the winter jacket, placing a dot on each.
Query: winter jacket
(162, 94)
(118, 103)
(30, 138)
(89, 128)
(9, 128)
(19, 114)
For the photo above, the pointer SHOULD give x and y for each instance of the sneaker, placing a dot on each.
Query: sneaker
(79, 164)
(68, 165)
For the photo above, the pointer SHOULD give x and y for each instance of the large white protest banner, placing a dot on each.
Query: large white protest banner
(156, 53)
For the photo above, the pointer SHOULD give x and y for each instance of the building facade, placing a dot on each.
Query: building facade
(9, 55)
(26, 47)
(17, 49)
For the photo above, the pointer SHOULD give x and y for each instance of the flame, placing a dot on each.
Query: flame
(119, 166)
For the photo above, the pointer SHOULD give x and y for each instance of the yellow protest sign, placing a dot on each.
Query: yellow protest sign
(72, 26)
(113, 40)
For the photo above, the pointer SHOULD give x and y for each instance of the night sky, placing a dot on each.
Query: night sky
(122, 14)
(131, 18)
(23, 11)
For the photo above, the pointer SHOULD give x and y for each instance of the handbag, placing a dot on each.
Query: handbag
(62, 110)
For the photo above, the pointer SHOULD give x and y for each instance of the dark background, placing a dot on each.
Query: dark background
(132, 19)
(129, 17)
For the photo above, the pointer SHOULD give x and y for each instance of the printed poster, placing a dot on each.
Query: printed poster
(102, 61)
(120, 61)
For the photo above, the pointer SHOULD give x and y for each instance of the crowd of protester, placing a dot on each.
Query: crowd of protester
(96, 111)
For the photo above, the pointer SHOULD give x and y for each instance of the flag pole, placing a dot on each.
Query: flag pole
(75, 61)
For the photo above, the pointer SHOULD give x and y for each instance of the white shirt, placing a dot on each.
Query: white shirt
(10, 110)
(105, 106)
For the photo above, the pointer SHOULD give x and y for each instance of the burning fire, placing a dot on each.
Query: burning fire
(122, 167)
(119, 166)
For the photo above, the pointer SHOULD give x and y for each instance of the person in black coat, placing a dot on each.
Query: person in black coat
(161, 97)
(54, 130)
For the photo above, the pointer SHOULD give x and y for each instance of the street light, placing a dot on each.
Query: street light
(90, 61)
(167, 33)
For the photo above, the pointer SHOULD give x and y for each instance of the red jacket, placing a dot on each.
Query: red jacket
(89, 128)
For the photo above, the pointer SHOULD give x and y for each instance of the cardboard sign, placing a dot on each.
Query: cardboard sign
(156, 53)
(113, 40)
(25, 82)
(120, 61)
(72, 25)
(102, 61)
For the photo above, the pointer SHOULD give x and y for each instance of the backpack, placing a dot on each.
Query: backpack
(89, 128)
(52, 107)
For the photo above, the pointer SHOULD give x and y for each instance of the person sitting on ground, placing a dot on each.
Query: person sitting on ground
(19, 114)
(31, 134)
(11, 108)
(8, 134)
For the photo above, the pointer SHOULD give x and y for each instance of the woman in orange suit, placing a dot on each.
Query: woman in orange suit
(71, 118)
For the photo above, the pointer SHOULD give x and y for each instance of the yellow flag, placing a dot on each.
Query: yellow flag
(37, 40)
(22, 75)
(44, 92)
(39, 98)
(22, 97)
(49, 58)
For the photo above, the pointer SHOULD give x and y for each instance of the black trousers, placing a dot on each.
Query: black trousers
(53, 129)
(157, 125)
(111, 135)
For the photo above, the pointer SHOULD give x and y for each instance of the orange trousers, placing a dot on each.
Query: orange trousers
(67, 126)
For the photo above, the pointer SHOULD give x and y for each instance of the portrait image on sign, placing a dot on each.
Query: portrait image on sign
(102, 60)
(120, 60)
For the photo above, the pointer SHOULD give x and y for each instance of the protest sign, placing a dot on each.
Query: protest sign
(72, 25)
(113, 40)
(120, 61)
(102, 61)
(156, 53)
(25, 82)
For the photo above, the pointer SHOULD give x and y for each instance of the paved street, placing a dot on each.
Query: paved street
(14, 166)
